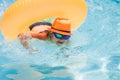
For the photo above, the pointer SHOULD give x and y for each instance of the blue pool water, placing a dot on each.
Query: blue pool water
(94, 53)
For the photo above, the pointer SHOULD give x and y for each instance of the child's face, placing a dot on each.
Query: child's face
(59, 42)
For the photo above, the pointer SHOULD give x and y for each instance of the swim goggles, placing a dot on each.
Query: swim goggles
(60, 36)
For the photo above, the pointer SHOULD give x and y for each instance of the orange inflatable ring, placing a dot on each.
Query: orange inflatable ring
(23, 13)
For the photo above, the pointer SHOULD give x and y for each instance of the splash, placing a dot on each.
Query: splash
(94, 53)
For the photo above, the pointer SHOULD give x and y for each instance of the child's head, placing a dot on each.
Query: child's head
(61, 29)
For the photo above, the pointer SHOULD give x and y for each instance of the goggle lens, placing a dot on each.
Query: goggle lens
(59, 36)
(66, 37)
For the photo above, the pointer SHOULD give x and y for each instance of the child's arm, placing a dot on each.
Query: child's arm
(23, 39)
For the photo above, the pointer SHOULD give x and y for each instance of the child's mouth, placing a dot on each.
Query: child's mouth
(60, 42)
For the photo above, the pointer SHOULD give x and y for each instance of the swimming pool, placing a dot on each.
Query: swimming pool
(94, 53)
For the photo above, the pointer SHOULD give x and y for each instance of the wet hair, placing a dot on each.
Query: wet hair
(38, 24)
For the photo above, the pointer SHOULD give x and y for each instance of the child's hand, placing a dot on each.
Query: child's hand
(32, 50)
